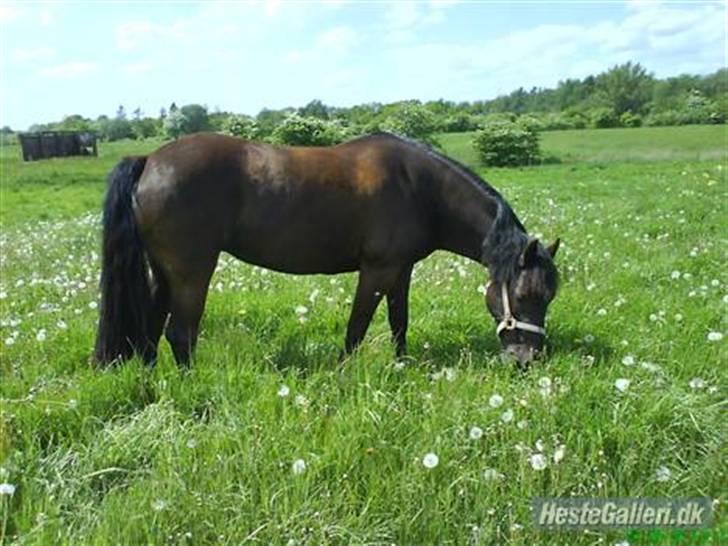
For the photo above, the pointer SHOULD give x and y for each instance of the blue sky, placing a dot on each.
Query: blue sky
(87, 58)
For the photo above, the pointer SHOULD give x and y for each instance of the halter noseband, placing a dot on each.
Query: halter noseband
(509, 322)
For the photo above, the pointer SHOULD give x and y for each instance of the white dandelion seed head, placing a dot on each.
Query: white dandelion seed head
(622, 384)
(650, 367)
(539, 445)
(300, 310)
(491, 474)
(495, 401)
(522, 425)
(300, 400)
(589, 339)
(559, 453)
(284, 391)
(715, 336)
(663, 474)
(507, 416)
(475, 433)
(40, 335)
(159, 505)
(298, 467)
(7, 489)
(675, 275)
(430, 460)
(628, 360)
(697, 383)
(538, 461)
(601, 311)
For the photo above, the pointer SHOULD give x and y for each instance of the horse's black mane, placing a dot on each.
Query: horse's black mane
(507, 237)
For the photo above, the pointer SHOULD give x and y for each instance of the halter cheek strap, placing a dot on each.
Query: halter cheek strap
(509, 322)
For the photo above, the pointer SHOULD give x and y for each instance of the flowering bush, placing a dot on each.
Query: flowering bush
(506, 143)
(297, 130)
(241, 126)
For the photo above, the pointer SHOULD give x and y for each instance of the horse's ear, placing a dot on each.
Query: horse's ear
(553, 247)
(529, 256)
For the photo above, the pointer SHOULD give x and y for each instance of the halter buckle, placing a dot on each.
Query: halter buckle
(509, 323)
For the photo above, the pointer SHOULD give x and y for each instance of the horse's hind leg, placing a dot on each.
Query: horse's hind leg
(160, 312)
(188, 292)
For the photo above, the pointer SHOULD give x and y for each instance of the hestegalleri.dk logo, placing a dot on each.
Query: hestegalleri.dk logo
(625, 513)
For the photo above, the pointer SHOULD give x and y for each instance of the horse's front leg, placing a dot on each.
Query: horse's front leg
(398, 309)
(374, 283)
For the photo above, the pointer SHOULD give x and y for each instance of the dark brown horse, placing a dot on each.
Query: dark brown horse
(377, 205)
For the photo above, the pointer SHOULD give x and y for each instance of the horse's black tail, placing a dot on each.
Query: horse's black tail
(126, 298)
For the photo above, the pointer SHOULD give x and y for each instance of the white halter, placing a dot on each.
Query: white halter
(509, 322)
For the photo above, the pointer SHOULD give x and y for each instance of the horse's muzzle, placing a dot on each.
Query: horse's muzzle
(523, 354)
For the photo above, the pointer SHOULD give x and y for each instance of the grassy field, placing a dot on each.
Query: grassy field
(688, 143)
(268, 440)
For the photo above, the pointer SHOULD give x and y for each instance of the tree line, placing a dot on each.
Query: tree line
(625, 95)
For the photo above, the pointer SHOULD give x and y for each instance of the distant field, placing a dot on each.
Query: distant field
(686, 143)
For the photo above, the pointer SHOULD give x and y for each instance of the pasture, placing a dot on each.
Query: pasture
(269, 440)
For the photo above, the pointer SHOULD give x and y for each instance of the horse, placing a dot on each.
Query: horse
(376, 204)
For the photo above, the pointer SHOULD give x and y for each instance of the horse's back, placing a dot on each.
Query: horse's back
(296, 209)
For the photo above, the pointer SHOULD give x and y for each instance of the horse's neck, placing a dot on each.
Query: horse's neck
(467, 214)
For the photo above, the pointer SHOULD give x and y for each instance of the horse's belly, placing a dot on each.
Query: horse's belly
(298, 248)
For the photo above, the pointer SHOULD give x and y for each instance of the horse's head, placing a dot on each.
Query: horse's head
(519, 302)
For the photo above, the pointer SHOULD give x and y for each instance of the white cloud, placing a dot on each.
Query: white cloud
(68, 70)
(133, 35)
(46, 17)
(668, 39)
(31, 54)
(403, 20)
(340, 38)
(138, 68)
(9, 12)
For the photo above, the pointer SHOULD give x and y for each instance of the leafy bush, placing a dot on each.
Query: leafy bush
(628, 119)
(195, 119)
(459, 123)
(241, 126)
(296, 130)
(602, 118)
(506, 144)
(173, 123)
(414, 121)
(533, 122)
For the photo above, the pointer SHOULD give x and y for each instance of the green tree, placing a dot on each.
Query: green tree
(315, 109)
(626, 88)
(413, 120)
(194, 119)
(173, 123)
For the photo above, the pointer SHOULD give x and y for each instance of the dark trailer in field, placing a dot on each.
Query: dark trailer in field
(43, 145)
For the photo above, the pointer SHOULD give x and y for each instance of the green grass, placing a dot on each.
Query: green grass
(688, 143)
(133, 456)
